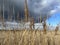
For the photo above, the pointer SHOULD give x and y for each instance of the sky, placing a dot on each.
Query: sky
(37, 8)
(48, 7)
(54, 20)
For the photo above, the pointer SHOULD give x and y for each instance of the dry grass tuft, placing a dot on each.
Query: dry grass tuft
(29, 37)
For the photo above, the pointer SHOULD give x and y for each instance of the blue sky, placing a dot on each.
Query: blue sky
(44, 7)
(41, 7)
(47, 7)
(55, 19)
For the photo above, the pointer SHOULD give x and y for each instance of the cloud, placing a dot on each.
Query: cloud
(53, 11)
(44, 7)
(37, 7)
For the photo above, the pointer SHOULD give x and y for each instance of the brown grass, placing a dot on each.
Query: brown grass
(29, 37)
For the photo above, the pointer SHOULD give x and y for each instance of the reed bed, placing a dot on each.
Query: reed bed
(29, 37)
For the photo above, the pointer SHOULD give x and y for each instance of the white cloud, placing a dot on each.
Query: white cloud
(44, 3)
(48, 5)
(40, 6)
(53, 11)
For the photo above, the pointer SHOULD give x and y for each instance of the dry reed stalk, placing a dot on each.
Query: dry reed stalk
(28, 37)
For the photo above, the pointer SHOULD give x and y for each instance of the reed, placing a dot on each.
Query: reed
(29, 37)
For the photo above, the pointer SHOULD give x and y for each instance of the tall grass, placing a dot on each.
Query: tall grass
(29, 37)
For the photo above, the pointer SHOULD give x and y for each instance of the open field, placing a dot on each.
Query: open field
(29, 37)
